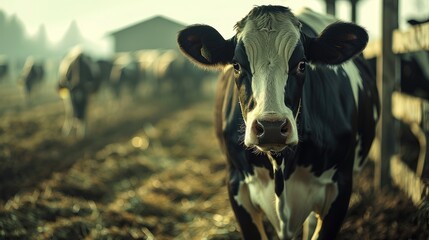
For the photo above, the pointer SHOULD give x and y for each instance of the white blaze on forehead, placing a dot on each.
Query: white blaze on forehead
(273, 42)
(269, 41)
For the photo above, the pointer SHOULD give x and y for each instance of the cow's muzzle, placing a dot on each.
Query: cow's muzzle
(272, 135)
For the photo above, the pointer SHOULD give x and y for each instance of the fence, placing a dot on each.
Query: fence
(412, 111)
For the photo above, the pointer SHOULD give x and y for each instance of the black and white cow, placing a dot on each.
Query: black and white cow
(79, 78)
(125, 75)
(415, 69)
(4, 69)
(105, 66)
(32, 75)
(296, 111)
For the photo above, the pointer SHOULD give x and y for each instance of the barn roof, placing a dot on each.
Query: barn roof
(147, 23)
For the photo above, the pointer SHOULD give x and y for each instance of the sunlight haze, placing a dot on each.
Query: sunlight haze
(96, 19)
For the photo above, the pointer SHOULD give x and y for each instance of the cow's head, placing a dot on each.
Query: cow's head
(269, 55)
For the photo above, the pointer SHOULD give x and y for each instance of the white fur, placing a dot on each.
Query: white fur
(256, 193)
(355, 79)
(316, 20)
(269, 67)
(303, 194)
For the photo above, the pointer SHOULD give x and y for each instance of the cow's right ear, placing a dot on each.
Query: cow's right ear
(205, 46)
(339, 42)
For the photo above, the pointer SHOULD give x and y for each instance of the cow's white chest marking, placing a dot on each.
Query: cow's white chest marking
(304, 193)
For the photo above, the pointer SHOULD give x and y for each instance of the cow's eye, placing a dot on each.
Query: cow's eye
(301, 67)
(237, 67)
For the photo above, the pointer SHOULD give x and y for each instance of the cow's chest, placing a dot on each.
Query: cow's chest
(303, 193)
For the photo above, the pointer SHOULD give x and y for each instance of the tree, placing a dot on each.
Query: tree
(15, 37)
(71, 38)
(40, 44)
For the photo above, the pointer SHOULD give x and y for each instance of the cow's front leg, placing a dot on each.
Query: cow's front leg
(250, 219)
(81, 128)
(68, 118)
(309, 226)
(334, 218)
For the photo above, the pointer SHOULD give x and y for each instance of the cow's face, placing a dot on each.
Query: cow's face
(269, 55)
(268, 62)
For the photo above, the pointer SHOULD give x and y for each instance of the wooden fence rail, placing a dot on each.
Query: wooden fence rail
(411, 110)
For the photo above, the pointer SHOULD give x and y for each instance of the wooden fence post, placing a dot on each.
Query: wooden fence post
(330, 7)
(353, 4)
(388, 73)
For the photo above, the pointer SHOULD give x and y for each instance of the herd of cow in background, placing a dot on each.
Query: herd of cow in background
(163, 71)
(80, 76)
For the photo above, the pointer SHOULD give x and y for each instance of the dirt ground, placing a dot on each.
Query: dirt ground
(150, 169)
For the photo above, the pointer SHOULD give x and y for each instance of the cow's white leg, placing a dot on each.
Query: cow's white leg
(319, 223)
(67, 126)
(309, 226)
(68, 118)
(250, 218)
(81, 128)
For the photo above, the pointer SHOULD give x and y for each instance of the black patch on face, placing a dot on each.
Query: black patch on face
(243, 79)
(296, 57)
(293, 89)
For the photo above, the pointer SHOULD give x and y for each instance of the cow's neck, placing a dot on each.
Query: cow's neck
(283, 165)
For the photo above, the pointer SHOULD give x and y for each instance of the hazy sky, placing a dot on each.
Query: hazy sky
(96, 18)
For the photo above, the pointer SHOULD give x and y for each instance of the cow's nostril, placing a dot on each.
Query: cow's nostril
(259, 128)
(285, 128)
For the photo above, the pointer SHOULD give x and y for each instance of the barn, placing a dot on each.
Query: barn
(158, 32)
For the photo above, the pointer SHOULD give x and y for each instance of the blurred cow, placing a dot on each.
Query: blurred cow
(79, 78)
(415, 73)
(147, 60)
(166, 72)
(415, 70)
(177, 76)
(169, 72)
(32, 75)
(105, 66)
(195, 80)
(125, 75)
(4, 69)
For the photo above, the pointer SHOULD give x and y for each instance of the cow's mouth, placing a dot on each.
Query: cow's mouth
(271, 148)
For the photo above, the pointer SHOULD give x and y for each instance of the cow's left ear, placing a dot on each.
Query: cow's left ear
(338, 43)
(205, 46)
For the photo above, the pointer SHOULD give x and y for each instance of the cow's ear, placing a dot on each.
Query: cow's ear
(338, 43)
(205, 46)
